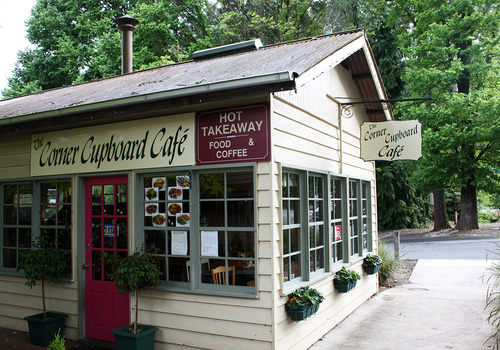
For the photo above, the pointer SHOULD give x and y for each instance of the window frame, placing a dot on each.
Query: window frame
(36, 226)
(304, 225)
(343, 220)
(194, 285)
(362, 250)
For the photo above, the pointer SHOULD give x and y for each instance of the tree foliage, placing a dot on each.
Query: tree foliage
(451, 51)
(400, 204)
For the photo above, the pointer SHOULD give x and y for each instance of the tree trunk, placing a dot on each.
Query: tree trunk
(440, 215)
(468, 208)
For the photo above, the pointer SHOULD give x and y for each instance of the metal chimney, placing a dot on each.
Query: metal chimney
(126, 25)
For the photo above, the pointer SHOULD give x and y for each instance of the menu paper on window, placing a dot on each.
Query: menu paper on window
(209, 243)
(179, 243)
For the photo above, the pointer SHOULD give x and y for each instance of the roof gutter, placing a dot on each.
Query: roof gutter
(265, 79)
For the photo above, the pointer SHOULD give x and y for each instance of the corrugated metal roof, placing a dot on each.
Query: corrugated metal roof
(295, 57)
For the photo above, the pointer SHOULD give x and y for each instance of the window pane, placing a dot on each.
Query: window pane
(9, 215)
(212, 213)
(294, 185)
(10, 194)
(212, 186)
(241, 244)
(294, 212)
(240, 213)
(295, 266)
(240, 185)
(286, 241)
(178, 269)
(155, 241)
(10, 237)
(295, 239)
(286, 212)
(96, 233)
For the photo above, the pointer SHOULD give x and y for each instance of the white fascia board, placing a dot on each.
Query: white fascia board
(330, 62)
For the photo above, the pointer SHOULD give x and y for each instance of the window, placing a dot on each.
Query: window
(353, 216)
(55, 214)
(359, 216)
(227, 232)
(316, 223)
(337, 199)
(26, 216)
(303, 223)
(291, 227)
(16, 225)
(201, 226)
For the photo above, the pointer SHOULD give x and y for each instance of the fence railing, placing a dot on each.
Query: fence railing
(396, 238)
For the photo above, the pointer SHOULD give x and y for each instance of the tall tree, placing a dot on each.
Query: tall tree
(77, 40)
(451, 50)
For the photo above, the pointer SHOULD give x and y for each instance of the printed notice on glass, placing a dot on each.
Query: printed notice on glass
(179, 243)
(209, 243)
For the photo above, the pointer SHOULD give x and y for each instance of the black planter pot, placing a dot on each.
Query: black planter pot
(301, 313)
(141, 341)
(371, 270)
(344, 286)
(41, 331)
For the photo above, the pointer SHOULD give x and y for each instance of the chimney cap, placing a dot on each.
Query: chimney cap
(126, 21)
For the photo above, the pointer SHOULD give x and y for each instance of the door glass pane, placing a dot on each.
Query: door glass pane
(96, 233)
(121, 200)
(109, 200)
(109, 233)
(96, 200)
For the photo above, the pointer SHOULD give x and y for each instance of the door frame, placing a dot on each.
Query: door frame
(80, 226)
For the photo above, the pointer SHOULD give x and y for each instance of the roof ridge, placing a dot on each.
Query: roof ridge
(321, 36)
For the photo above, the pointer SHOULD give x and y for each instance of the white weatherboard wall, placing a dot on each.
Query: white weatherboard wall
(17, 300)
(306, 134)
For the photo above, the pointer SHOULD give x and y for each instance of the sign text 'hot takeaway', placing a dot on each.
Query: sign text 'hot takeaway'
(239, 134)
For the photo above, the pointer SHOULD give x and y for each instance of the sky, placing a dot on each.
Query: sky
(13, 14)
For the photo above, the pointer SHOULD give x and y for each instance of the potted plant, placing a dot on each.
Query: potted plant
(43, 263)
(302, 303)
(345, 280)
(372, 264)
(131, 274)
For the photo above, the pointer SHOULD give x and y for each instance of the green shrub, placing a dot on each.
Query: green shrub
(390, 265)
(485, 217)
(59, 343)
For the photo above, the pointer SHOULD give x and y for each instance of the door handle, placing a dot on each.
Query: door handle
(85, 266)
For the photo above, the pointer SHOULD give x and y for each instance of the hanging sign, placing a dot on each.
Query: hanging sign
(239, 134)
(391, 140)
(138, 144)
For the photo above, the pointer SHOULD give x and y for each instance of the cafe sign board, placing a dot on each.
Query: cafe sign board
(237, 134)
(391, 140)
(138, 144)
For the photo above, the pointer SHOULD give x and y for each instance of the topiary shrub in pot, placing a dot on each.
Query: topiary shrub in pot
(131, 274)
(345, 280)
(43, 263)
(372, 264)
(303, 303)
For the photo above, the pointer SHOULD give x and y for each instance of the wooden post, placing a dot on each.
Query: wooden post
(396, 244)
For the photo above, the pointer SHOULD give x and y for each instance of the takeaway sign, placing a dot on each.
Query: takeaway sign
(238, 134)
(391, 140)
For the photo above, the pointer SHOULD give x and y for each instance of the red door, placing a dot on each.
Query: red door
(106, 231)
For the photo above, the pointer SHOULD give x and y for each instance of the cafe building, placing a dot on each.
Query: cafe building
(244, 160)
